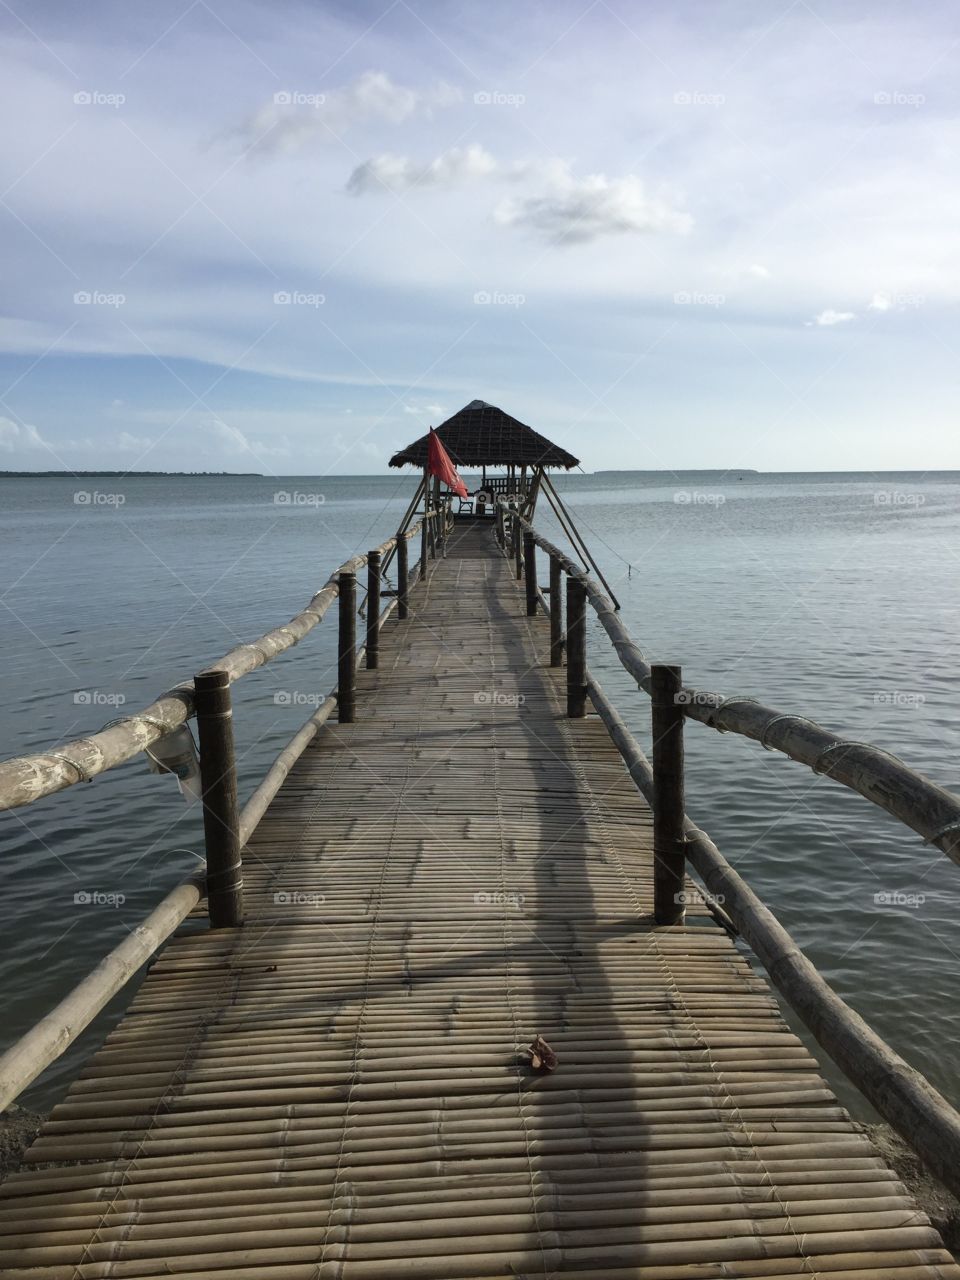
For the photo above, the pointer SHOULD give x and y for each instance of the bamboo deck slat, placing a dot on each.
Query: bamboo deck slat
(338, 1089)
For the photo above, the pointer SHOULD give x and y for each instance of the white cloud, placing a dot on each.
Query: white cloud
(576, 210)
(831, 317)
(299, 116)
(136, 444)
(880, 302)
(758, 271)
(432, 410)
(399, 173)
(17, 436)
(236, 443)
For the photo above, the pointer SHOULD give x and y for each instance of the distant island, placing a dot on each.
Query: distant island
(681, 471)
(75, 475)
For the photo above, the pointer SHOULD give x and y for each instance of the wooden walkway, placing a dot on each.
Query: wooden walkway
(339, 1089)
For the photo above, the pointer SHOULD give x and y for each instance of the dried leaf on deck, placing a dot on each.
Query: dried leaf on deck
(542, 1057)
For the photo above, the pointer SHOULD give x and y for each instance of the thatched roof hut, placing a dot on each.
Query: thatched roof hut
(481, 435)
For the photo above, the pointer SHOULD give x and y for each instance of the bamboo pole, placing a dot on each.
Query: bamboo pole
(256, 806)
(576, 647)
(668, 810)
(347, 657)
(905, 1099)
(556, 613)
(402, 578)
(530, 567)
(218, 775)
(55, 1032)
(373, 610)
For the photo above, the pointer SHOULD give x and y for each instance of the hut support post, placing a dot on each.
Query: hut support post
(576, 649)
(556, 614)
(373, 610)
(425, 527)
(517, 545)
(669, 852)
(530, 570)
(221, 815)
(347, 653)
(402, 576)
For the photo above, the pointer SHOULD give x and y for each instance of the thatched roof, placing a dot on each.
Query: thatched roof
(480, 434)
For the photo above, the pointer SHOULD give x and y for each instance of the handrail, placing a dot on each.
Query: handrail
(26, 779)
(29, 1056)
(878, 776)
(54, 1033)
(899, 1092)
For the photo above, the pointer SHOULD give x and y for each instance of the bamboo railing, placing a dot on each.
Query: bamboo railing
(227, 828)
(901, 1094)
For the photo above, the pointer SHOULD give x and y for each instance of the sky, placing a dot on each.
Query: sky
(288, 237)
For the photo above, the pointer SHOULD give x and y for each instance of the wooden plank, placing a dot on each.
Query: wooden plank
(340, 1088)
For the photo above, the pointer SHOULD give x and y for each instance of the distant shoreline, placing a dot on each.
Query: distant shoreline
(123, 475)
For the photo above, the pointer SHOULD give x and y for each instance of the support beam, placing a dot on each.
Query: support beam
(347, 651)
(576, 649)
(530, 571)
(221, 813)
(556, 613)
(373, 610)
(669, 855)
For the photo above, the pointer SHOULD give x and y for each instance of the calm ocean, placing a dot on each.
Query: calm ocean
(832, 595)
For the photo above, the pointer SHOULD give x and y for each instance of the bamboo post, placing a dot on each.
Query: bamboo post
(218, 777)
(373, 610)
(347, 655)
(576, 649)
(669, 855)
(402, 575)
(530, 562)
(556, 613)
(518, 545)
(425, 526)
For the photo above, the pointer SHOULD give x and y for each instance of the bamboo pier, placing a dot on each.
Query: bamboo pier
(463, 850)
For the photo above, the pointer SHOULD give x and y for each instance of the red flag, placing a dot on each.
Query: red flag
(439, 464)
